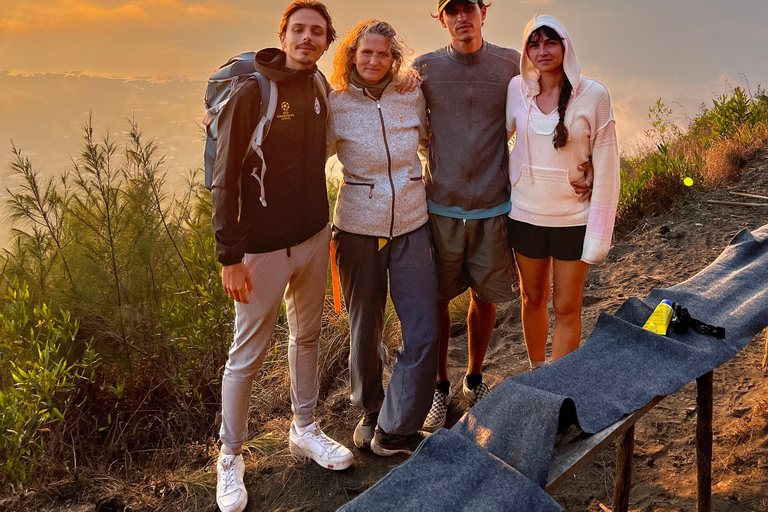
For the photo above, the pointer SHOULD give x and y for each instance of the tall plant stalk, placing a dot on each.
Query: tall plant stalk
(98, 206)
(148, 165)
(42, 203)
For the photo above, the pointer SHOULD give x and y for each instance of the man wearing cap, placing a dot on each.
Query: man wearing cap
(465, 85)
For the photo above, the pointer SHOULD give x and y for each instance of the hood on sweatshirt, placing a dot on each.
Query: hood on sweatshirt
(570, 65)
(530, 75)
(270, 62)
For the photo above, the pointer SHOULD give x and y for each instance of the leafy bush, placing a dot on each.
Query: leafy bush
(136, 268)
(711, 152)
(41, 357)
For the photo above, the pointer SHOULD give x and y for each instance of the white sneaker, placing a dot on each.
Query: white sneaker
(311, 443)
(231, 495)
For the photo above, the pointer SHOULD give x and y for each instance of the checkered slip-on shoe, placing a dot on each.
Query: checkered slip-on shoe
(438, 412)
(475, 394)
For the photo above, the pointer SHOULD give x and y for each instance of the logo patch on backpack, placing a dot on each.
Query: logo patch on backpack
(286, 115)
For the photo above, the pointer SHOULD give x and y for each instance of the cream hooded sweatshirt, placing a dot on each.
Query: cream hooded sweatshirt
(541, 175)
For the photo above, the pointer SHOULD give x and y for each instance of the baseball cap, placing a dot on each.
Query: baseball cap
(441, 4)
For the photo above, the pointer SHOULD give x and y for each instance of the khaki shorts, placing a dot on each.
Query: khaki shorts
(474, 254)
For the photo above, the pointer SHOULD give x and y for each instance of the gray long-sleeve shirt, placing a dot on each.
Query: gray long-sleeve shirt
(466, 98)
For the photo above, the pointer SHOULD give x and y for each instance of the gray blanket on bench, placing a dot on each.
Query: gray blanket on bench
(619, 369)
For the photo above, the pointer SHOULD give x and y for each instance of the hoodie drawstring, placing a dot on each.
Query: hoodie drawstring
(527, 145)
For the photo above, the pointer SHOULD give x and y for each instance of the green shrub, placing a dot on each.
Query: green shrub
(717, 143)
(41, 360)
(137, 268)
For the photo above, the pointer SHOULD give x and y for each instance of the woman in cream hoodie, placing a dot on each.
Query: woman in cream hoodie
(381, 236)
(560, 119)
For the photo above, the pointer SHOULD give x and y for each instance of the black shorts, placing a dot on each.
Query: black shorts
(565, 244)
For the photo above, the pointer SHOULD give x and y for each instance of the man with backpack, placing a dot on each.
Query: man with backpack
(270, 217)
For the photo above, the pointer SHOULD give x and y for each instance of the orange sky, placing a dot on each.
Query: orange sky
(684, 51)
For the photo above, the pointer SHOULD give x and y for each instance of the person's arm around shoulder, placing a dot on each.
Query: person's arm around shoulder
(605, 194)
(331, 137)
(408, 84)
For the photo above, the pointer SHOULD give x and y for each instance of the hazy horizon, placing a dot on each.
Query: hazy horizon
(61, 59)
(685, 52)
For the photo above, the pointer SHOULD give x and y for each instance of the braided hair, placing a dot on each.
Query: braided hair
(561, 132)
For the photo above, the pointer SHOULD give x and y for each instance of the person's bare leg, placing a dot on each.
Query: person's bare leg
(480, 320)
(445, 335)
(569, 279)
(534, 289)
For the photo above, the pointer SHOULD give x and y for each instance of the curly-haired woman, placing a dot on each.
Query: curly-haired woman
(381, 235)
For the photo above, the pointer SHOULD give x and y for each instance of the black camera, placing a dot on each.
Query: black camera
(682, 321)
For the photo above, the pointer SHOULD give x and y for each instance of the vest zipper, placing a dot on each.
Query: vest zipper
(389, 169)
(370, 192)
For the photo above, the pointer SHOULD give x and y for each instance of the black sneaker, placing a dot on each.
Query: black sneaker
(364, 430)
(386, 445)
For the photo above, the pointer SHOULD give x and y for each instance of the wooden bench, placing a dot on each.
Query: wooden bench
(574, 451)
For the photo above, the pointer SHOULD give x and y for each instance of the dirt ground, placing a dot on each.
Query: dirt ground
(662, 251)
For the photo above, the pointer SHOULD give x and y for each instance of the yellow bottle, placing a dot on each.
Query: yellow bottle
(658, 322)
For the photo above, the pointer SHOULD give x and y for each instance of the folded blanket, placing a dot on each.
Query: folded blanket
(451, 473)
(618, 370)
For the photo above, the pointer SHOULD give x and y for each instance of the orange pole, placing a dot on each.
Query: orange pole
(335, 279)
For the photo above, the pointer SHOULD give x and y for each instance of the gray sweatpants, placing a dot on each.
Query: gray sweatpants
(408, 262)
(300, 278)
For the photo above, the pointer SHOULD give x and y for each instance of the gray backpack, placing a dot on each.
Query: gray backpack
(221, 87)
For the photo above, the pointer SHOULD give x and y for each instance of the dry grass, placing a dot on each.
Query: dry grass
(656, 196)
(725, 158)
(765, 354)
(459, 309)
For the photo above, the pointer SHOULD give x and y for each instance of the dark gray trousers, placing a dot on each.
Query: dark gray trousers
(408, 261)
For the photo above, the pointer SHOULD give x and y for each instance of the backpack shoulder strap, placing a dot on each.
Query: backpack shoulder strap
(266, 114)
(268, 98)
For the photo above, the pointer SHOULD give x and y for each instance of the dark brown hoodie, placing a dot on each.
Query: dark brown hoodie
(294, 150)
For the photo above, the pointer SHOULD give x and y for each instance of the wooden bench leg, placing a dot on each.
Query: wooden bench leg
(704, 442)
(624, 454)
